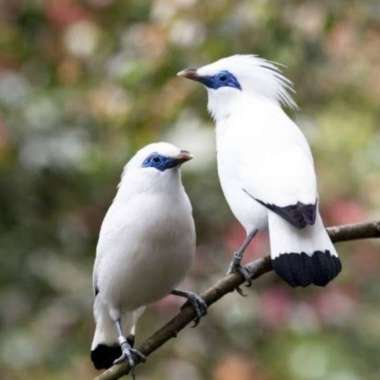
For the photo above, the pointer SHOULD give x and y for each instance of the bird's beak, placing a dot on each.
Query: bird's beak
(184, 156)
(189, 74)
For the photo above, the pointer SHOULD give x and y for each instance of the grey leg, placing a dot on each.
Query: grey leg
(128, 353)
(235, 265)
(198, 303)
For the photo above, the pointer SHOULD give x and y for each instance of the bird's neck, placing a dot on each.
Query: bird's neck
(222, 107)
(134, 183)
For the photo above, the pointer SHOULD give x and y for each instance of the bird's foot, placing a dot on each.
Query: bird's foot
(196, 301)
(129, 354)
(236, 267)
(199, 305)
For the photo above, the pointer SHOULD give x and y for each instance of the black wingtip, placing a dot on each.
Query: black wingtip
(103, 356)
(299, 215)
(300, 269)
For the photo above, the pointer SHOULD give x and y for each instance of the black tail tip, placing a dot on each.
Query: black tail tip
(301, 269)
(103, 356)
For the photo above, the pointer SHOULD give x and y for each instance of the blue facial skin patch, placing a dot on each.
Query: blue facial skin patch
(160, 162)
(222, 79)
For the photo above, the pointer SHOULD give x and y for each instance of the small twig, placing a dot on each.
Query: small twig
(228, 284)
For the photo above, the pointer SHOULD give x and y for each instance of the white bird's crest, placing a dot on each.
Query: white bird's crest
(256, 75)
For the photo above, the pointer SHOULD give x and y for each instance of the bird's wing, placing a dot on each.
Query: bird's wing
(280, 174)
(117, 225)
(113, 233)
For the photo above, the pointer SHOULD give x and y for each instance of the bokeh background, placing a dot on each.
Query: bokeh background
(84, 84)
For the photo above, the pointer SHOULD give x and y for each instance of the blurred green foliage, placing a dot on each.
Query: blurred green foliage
(83, 84)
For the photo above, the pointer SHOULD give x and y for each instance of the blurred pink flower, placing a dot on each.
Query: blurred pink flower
(237, 367)
(343, 211)
(234, 236)
(275, 306)
(342, 40)
(336, 304)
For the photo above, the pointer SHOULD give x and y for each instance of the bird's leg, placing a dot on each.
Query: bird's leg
(198, 303)
(128, 353)
(235, 264)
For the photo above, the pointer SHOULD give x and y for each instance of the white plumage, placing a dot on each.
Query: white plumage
(265, 165)
(146, 245)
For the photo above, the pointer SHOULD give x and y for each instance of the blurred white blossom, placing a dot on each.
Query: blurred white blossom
(61, 149)
(187, 33)
(190, 133)
(81, 38)
(164, 10)
(42, 113)
(13, 88)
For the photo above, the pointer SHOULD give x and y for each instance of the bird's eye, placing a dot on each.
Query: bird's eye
(156, 159)
(223, 77)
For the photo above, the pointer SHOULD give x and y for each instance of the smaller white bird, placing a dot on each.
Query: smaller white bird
(266, 168)
(146, 246)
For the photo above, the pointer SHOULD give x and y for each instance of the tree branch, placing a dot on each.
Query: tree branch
(228, 284)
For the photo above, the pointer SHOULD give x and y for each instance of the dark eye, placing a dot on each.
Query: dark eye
(156, 159)
(223, 77)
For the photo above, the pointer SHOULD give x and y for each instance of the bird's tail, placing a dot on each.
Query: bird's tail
(105, 347)
(302, 256)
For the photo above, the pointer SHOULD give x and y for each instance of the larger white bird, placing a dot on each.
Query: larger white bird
(265, 167)
(146, 246)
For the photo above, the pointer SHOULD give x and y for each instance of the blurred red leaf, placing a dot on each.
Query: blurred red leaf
(343, 211)
(64, 12)
(365, 259)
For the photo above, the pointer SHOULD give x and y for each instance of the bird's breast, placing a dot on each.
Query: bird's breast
(149, 253)
(229, 149)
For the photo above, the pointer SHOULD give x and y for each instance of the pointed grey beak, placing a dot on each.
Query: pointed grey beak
(189, 74)
(184, 156)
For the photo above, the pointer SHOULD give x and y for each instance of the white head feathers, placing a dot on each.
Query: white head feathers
(162, 148)
(153, 166)
(252, 74)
